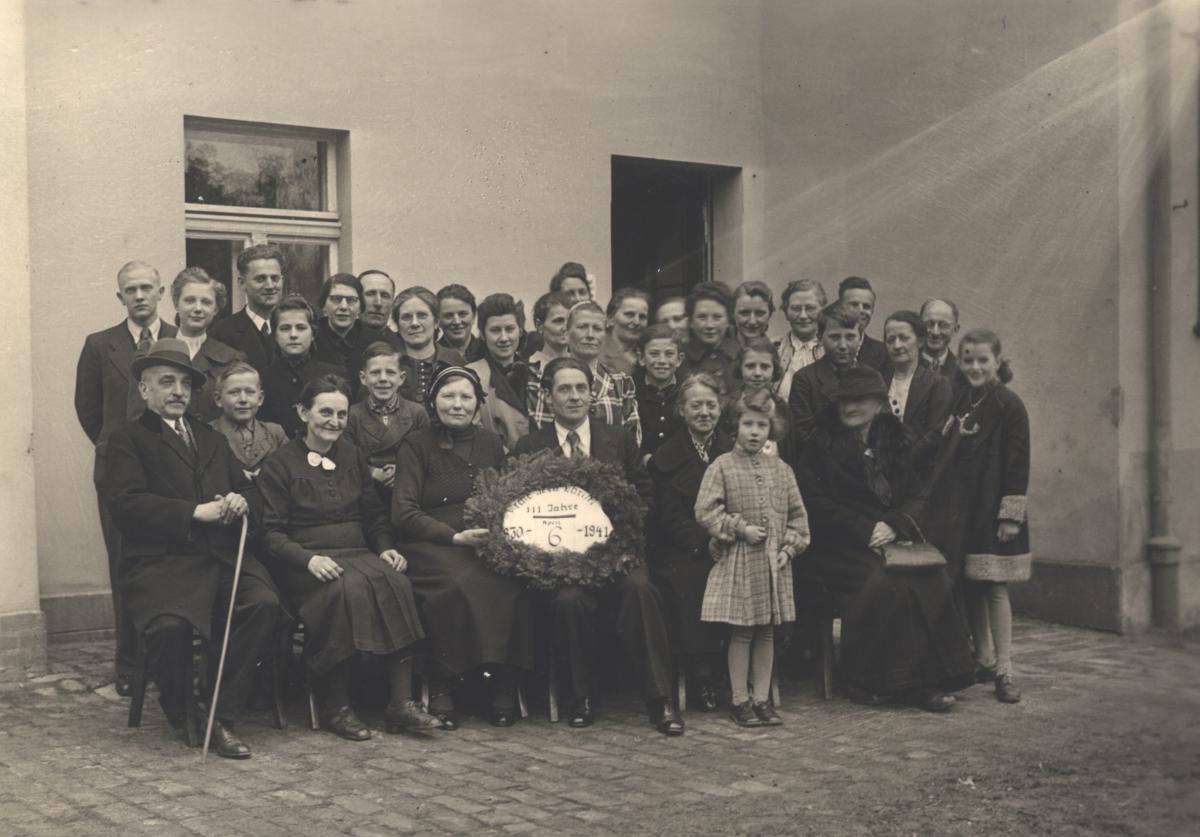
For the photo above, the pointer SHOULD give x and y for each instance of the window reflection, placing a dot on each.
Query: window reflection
(229, 169)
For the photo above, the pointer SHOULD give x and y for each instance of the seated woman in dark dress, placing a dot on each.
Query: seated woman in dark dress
(903, 633)
(678, 554)
(328, 543)
(474, 617)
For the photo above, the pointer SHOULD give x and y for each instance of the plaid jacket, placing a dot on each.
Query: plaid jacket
(614, 402)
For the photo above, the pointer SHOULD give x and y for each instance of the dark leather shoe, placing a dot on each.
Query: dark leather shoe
(670, 722)
(985, 674)
(502, 717)
(743, 715)
(1006, 692)
(227, 744)
(932, 701)
(767, 714)
(124, 685)
(706, 697)
(345, 724)
(409, 717)
(581, 714)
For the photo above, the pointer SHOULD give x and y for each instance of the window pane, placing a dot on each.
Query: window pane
(227, 169)
(307, 268)
(216, 257)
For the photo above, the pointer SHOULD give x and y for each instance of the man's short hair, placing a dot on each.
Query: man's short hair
(569, 270)
(944, 301)
(376, 272)
(135, 265)
(259, 251)
(347, 279)
(854, 283)
(837, 314)
(560, 363)
(801, 285)
(197, 276)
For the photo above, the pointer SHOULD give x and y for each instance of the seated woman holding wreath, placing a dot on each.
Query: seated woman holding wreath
(329, 548)
(678, 545)
(474, 617)
(903, 632)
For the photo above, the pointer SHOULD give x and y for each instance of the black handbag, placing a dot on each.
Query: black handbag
(911, 555)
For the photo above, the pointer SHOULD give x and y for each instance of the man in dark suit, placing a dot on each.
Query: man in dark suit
(856, 293)
(814, 385)
(941, 325)
(106, 398)
(633, 601)
(260, 274)
(177, 493)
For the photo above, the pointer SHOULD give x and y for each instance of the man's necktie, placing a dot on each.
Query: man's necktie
(576, 445)
(182, 429)
(143, 345)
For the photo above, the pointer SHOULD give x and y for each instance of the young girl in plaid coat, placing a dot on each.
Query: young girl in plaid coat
(751, 506)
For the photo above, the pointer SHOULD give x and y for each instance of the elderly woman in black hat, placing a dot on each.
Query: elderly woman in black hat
(903, 633)
(475, 619)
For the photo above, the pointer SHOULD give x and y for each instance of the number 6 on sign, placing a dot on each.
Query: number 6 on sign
(557, 519)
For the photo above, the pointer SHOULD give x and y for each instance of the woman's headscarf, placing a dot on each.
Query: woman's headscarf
(442, 378)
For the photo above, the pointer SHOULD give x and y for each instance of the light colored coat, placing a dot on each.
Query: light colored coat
(739, 490)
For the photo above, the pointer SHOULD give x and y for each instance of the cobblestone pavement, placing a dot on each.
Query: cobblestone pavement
(1106, 741)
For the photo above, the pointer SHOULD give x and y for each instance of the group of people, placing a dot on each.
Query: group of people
(348, 437)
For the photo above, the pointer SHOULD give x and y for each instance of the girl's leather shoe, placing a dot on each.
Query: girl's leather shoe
(743, 715)
(707, 697)
(985, 674)
(345, 724)
(932, 701)
(767, 714)
(1006, 692)
(409, 717)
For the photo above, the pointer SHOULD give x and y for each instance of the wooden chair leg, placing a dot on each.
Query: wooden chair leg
(826, 651)
(425, 698)
(137, 698)
(776, 700)
(681, 689)
(521, 705)
(552, 689)
(279, 667)
(314, 718)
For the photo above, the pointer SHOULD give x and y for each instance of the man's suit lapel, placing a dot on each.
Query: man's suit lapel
(173, 443)
(121, 350)
(918, 391)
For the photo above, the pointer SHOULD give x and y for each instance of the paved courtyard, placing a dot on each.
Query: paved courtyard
(1107, 741)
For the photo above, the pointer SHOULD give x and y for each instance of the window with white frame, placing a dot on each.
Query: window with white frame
(249, 183)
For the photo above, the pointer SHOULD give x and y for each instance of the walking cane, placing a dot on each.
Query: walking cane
(212, 703)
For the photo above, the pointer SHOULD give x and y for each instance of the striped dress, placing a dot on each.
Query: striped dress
(742, 489)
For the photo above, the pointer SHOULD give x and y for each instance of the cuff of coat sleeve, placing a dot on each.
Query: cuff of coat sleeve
(1012, 508)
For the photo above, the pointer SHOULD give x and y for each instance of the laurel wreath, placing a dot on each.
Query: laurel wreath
(540, 569)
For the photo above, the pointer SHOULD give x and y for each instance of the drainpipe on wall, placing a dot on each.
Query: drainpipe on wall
(1163, 548)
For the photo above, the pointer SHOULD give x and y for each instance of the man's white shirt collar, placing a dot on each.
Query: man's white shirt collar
(258, 321)
(585, 437)
(135, 330)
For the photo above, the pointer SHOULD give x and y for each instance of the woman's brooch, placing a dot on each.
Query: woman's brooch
(315, 459)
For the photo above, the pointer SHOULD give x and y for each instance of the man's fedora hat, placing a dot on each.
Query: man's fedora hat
(860, 382)
(168, 351)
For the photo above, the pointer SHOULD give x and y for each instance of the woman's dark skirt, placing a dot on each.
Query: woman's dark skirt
(681, 577)
(369, 608)
(901, 630)
(473, 617)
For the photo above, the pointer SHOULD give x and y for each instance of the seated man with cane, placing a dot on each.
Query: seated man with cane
(178, 494)
(633, 602)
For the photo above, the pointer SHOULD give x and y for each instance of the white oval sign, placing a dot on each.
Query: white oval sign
(557, 520)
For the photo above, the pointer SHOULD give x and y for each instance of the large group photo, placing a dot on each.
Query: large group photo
(680, 417)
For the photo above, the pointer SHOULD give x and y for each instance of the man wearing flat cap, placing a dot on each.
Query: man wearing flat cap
(178, 495)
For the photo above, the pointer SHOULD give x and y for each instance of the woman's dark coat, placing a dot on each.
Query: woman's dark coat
(901, 630)
(677, 545)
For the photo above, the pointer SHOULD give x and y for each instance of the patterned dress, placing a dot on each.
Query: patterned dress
(741, 489)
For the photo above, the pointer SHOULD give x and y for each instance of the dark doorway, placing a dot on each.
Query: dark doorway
(662, 224)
